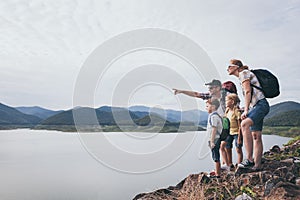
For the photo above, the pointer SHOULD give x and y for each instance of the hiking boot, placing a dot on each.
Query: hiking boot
(246, 164)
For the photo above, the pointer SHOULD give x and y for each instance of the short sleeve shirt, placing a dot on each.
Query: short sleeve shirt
(214, 120)
(256, 93)
(233, 116)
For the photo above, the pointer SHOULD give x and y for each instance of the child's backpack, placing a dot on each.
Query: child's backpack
(268, 82)
(226, 127)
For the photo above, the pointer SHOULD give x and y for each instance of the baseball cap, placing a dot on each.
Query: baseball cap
(215, 82)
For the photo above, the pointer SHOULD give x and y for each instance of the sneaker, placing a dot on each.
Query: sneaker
(225, 167)
(246, 164)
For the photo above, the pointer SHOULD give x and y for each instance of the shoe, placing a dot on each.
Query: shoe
(225, 167)
(246, 164)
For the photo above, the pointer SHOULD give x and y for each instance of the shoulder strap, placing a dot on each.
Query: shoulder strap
(259, 88)
(215, 113)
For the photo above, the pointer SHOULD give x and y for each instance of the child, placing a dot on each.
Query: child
(233, 114)
(214, 128)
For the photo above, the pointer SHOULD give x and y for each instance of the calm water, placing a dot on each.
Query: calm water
(38, 165)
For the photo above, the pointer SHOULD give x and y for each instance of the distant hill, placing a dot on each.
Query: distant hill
(83, 114)
(38, 111)
(152, 119)
(11, 116)
(283, 107)
(284, 114)
(289, 118)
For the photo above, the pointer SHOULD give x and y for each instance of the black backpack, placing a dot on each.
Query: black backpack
(268, 82)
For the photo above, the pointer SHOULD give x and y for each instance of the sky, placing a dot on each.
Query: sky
(45, 44)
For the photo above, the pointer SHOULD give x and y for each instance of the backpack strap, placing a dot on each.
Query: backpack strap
(215, 113)
(259, 88)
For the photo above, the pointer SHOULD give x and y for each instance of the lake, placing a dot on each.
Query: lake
(50, 165)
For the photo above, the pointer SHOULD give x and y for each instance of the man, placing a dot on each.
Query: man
(214, 88)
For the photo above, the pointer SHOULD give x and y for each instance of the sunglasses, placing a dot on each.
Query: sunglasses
(232, 65)
(212, 87)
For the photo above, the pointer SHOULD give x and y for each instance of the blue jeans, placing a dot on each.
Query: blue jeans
(258, 113)
(229, 141)
(215, 152)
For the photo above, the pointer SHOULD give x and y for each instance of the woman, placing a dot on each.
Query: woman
(256, 108)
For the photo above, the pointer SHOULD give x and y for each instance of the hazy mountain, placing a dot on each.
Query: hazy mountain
(11, 116)
(173, 115)
(83, 115)
(38, 111)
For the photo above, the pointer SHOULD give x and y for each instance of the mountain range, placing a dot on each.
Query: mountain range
(38, 111)
(11, 116)
(282, 114)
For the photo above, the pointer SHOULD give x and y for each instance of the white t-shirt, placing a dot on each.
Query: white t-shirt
(257, 94)
(214, 120)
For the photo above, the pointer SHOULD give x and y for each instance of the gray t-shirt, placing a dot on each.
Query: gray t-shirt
(214, 120)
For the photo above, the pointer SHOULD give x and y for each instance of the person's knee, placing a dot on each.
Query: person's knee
(246, 123)
(223, 145)
(257, 136)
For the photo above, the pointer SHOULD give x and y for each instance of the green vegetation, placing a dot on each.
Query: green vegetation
(288, 118)
(284, 131)
(114, 128)
(292, 141)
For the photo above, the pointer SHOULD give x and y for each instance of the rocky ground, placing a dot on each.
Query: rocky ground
(278, 179)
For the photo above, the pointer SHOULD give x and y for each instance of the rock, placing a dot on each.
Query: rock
(275, 149)
(298, 181)
(269, 186)
(278, 179)
(290, 177)
(281, 172)
(203, 179)
(284, 190)
(240, 170)
(243, 197)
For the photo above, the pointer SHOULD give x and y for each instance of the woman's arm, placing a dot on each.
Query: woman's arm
(247, 93)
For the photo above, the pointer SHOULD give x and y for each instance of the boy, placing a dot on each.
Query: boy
(214, 128)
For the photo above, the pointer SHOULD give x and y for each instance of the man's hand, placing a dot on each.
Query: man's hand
(176, 91)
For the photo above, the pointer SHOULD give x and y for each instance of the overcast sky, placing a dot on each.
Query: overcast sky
(44, 44)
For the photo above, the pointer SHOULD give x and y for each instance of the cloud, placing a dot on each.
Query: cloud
(46, 42)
